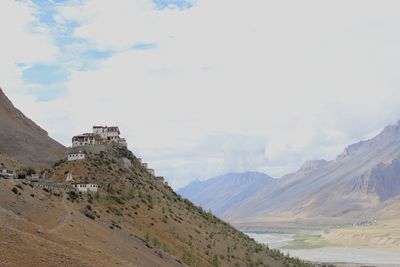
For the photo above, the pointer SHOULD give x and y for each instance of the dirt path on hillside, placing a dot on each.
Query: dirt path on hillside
(65, 219)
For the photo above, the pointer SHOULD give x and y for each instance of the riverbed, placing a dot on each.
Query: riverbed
(370, 256)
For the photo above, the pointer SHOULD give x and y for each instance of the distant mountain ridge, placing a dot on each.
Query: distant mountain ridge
(25, 141)
(223, 193)
(362, 178)
(382, 180)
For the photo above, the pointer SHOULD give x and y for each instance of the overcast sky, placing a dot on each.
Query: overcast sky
(202, 88)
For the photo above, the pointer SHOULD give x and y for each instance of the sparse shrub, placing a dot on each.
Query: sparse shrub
(147, 237)
(20, 187)
(188, 258)
(59, 163)
(214, 261)
(156, 243)
(29, 171)
(21, 175)
(116, 199)
(14, 190)
(114, 225)
(130, 194)
(89, 212)
(258, 248)
(72, 195)
(117, 212)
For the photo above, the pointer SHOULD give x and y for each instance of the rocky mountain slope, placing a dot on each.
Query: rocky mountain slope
(23, 140)
(134, 220)
(365, 176)
(9, 163)
(224, 193)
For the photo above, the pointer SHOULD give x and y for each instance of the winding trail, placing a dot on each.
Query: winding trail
(66, 218)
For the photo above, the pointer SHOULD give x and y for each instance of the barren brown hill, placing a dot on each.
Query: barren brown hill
(23, 140)
(9, 163)
(134, 220)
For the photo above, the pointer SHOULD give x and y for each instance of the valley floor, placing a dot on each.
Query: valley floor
(373, 245)
(384, 235)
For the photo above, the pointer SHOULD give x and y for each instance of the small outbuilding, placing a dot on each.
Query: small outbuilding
(85, 188)
(160, 178)
(7, 173)
(76, 156)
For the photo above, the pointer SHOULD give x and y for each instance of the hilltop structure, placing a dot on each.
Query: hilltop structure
(101, 139)
(99, 136)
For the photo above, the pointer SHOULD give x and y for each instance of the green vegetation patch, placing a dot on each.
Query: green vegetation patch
(115, 199)
(306, 241)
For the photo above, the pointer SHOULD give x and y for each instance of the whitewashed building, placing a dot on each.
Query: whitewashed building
(76, 156)
(33, 176)
(110, 133)
(86, 139)
(7, 173)
(85, 188)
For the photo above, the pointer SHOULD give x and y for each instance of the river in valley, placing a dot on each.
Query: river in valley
(365, 256)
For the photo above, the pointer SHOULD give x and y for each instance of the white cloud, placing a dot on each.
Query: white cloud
(230, 86)
(24, 41)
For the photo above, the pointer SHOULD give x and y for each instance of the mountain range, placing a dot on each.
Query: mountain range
(224, 193)
(362, 183)
(360, 179)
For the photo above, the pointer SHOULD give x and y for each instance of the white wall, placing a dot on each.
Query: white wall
(104, 133)
(76, 156)
(86, 187)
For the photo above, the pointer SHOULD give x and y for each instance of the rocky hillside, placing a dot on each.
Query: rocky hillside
(224, 193)
(23, 140)
(8, 163)
(365, 176)
(134, 220)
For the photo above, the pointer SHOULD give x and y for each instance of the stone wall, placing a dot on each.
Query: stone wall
(95, 149)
